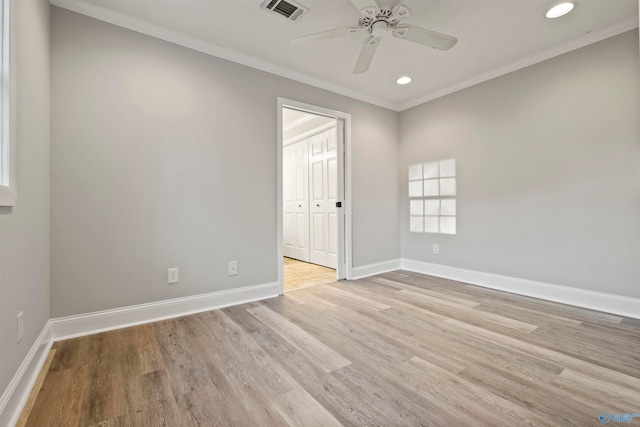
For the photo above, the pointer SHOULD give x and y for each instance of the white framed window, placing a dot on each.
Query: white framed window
(8, 172)
(432, 197)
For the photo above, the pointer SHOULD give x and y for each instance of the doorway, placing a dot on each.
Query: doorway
(309, 188)
(300, 275)
(314, 229)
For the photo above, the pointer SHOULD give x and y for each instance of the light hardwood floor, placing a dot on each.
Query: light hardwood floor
(300, 275)
(396, 349)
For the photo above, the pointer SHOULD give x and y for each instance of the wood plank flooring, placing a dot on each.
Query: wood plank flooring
(396, 349)
(300, 275)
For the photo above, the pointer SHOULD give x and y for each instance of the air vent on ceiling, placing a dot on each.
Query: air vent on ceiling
(288, 9)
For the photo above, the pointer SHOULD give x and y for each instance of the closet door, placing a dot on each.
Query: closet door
(295, 182)
(323, 173)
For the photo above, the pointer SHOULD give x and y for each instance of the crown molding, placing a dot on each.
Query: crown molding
(144, 27)
(576, 43)
(116, 18)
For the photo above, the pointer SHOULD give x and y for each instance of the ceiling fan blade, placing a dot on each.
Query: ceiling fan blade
(367, 53)
(338, 32)
(361, 4)
(424, 37)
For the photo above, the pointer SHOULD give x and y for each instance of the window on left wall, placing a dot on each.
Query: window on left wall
(8, 195)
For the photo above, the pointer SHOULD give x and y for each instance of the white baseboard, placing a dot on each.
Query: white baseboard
(17, 392)
(600, 301)
(373, 269)
(107, 320)
(15, 396)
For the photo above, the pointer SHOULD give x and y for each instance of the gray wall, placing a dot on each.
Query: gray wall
(24, 229)
(548, 162)
(165, 157)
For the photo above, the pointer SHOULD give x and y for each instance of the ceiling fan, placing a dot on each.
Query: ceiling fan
(377, 19)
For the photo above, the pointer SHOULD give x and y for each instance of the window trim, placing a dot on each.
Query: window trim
(8, 149)
(420, 201)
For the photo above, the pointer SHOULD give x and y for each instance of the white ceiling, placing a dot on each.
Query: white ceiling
(297, 124)
(494, 37)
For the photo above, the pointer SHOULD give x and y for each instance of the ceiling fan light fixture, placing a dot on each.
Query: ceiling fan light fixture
(404, 80)
(560, 9)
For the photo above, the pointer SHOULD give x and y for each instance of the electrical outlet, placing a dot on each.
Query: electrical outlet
(436, 249)
(233, 268)
(173, 275)
(20, 326)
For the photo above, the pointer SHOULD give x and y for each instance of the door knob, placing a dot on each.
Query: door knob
(317, 205)
(299, 206)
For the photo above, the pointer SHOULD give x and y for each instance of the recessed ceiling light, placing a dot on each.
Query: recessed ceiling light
(404, 80)
(560, 10)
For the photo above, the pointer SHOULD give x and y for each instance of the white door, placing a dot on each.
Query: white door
(296, 200)
(323, 175)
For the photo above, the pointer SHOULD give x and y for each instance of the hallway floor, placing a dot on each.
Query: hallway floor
(300, 275)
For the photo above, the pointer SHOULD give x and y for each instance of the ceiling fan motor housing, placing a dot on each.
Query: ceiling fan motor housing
(372, 15)
(379, 27)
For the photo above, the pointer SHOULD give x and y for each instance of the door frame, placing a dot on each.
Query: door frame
(345, 264)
